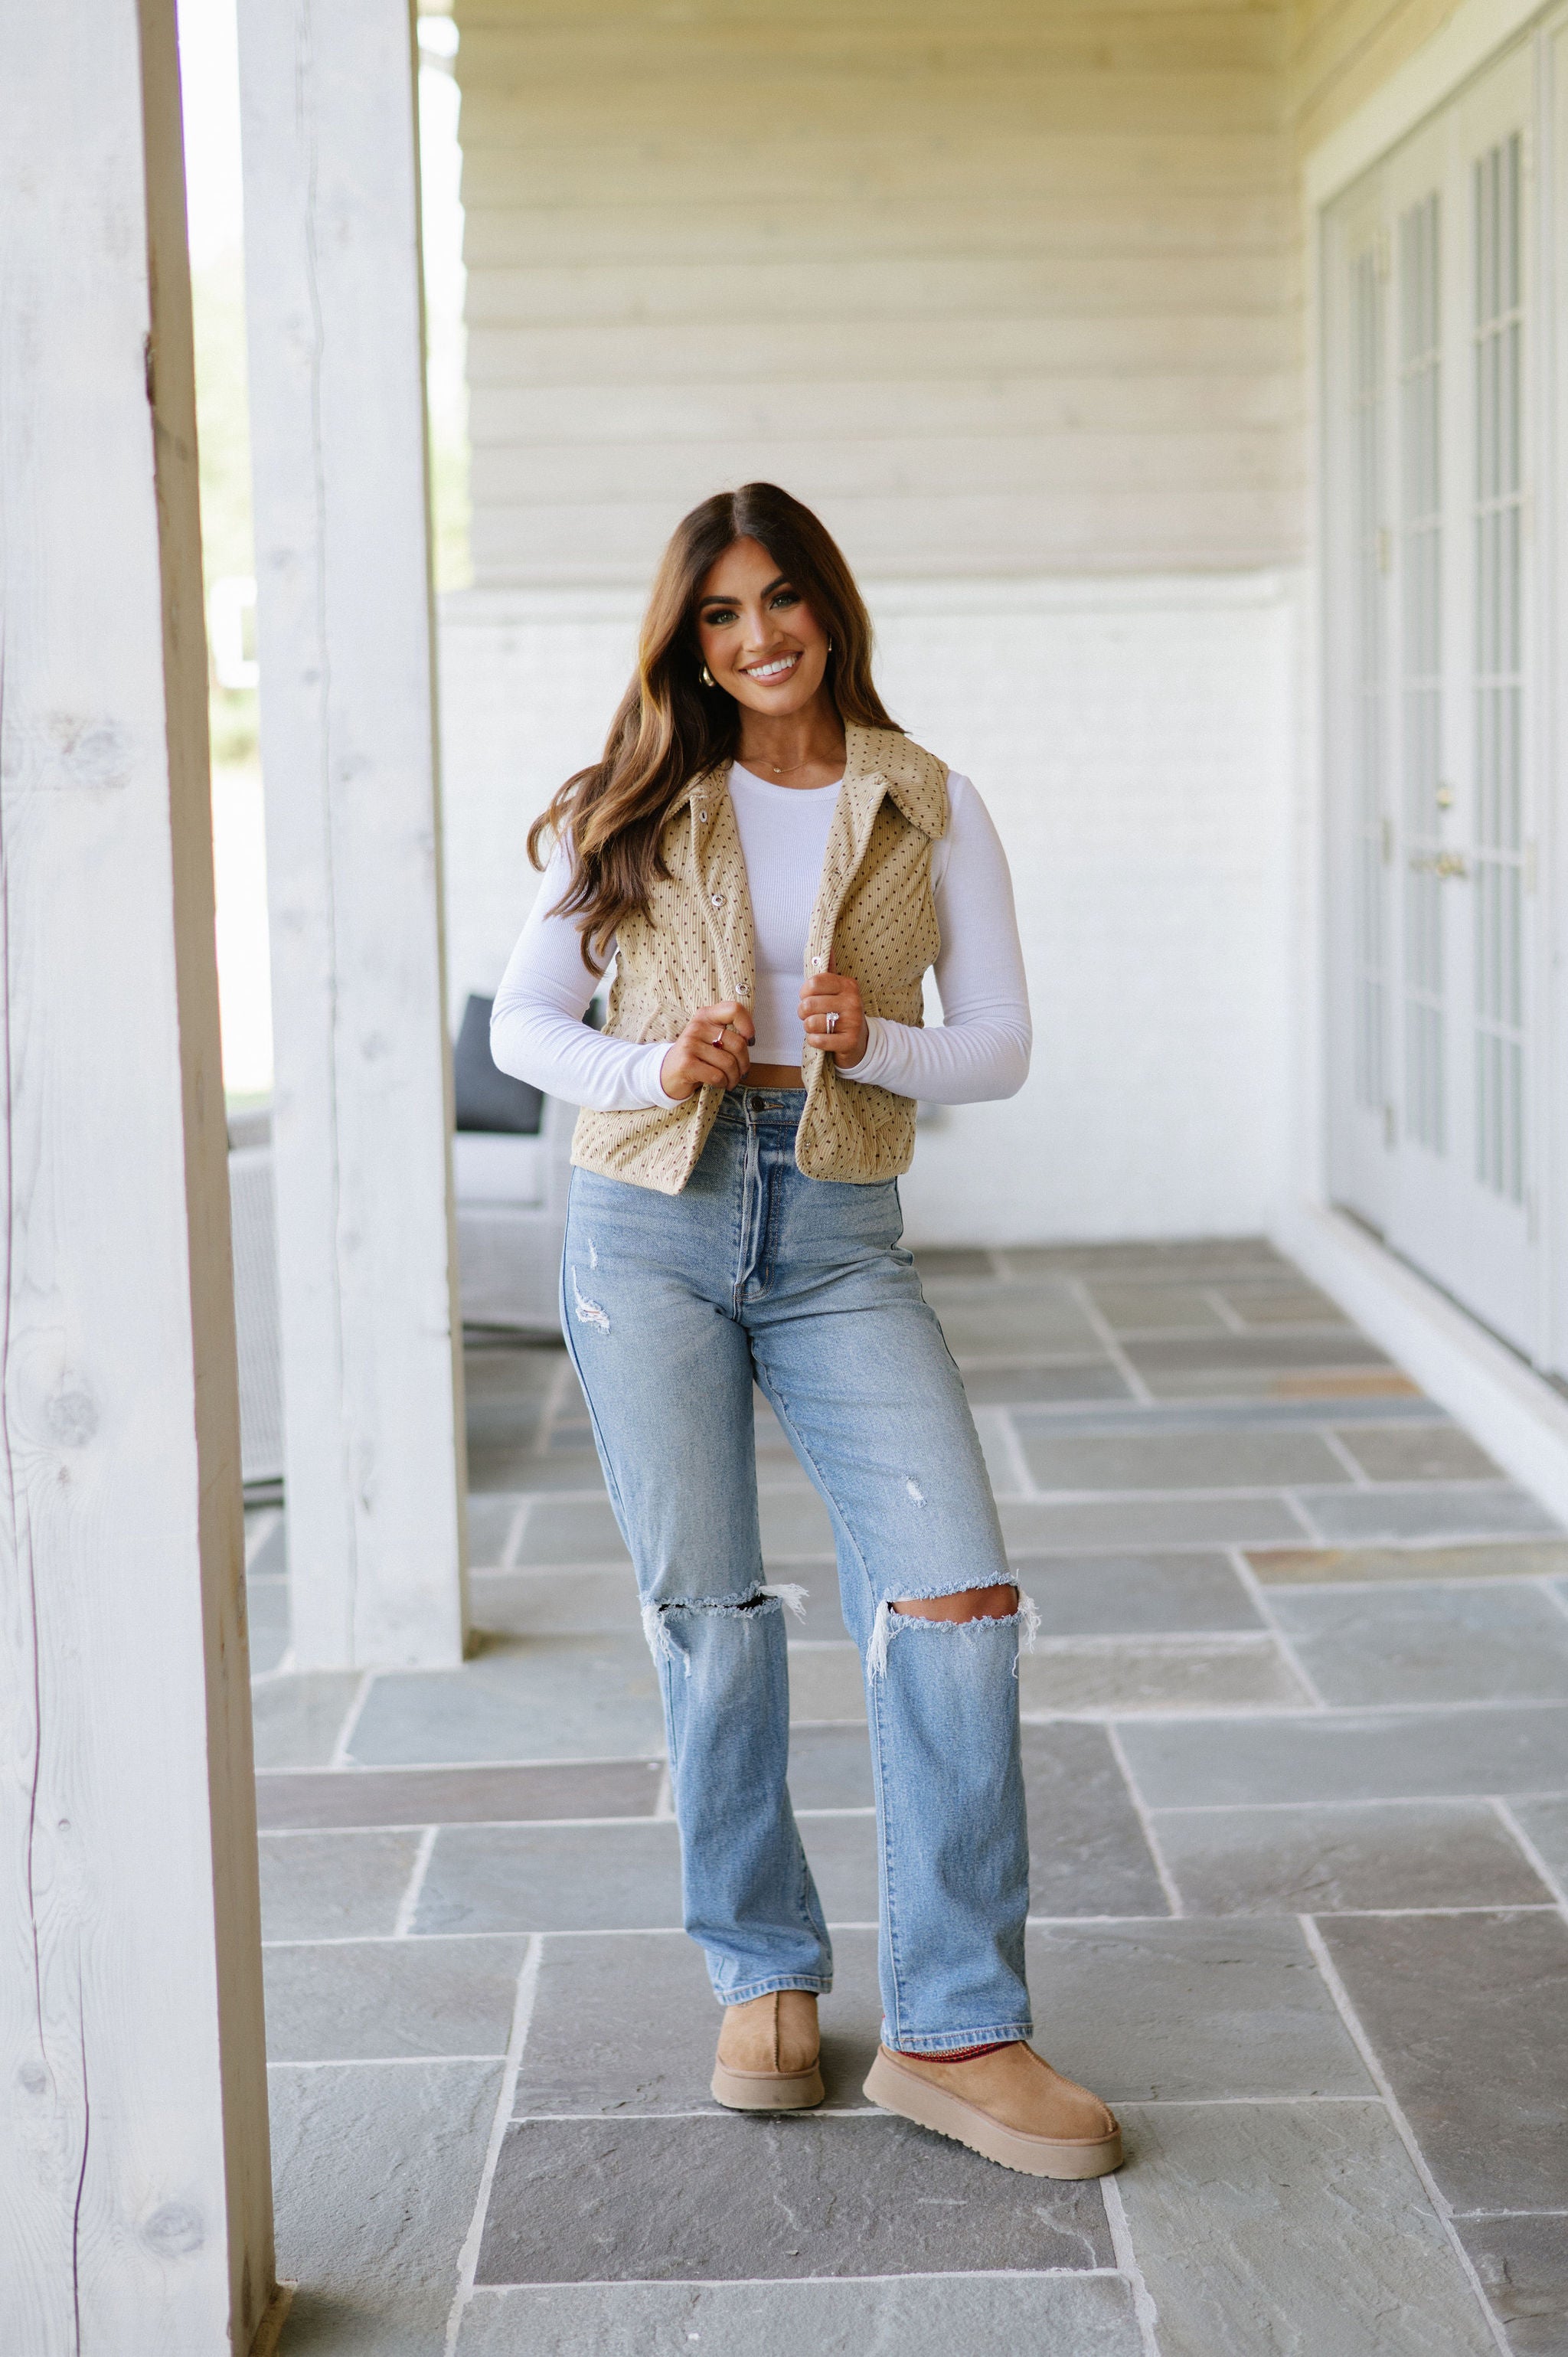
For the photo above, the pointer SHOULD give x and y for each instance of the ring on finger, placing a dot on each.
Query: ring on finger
(831, 1022)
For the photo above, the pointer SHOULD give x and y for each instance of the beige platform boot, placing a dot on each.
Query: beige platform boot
(767, 2054)
(1009, 2104)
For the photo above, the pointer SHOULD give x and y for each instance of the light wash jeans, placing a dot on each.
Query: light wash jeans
(672, 1305)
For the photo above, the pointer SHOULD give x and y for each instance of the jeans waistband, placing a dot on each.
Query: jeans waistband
(743, 1108)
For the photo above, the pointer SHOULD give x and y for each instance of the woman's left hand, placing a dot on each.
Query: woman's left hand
(836, 996)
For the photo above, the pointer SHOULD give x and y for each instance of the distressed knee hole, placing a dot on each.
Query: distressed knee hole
(894, 1618)
(995, 1603)
(662, 1644)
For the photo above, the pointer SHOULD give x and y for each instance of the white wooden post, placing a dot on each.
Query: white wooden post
(135, 2184)
(374, 1466)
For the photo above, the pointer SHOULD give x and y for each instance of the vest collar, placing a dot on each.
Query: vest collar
(880, 761)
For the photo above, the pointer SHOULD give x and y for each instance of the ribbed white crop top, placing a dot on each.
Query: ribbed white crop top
(981, 1048)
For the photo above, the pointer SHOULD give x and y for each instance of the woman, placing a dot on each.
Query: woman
(775, 866)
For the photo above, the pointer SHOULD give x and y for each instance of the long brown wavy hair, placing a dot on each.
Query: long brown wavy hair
(669, 728)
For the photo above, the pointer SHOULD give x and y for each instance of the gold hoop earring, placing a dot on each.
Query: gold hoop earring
(705, 676)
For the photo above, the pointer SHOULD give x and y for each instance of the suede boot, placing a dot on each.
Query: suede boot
(1009, 2104)
(767, 2054)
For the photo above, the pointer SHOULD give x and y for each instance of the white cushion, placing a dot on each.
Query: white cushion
(489, 1167)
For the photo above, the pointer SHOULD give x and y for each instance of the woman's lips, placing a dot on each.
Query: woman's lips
(778, 667)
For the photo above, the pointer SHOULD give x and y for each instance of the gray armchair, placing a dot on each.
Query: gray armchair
(512, 1157)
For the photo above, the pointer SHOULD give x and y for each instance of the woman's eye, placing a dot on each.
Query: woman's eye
(720, 618)
(788, 597)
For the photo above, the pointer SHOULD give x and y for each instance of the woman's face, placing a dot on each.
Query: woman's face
(759, 639)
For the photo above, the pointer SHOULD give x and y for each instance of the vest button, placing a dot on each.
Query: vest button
(718, 899)
(819, 966)
(703, 817)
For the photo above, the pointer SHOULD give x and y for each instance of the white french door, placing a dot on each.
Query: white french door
(1434, 736)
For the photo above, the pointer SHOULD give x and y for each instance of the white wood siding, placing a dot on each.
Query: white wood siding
(1012, 289)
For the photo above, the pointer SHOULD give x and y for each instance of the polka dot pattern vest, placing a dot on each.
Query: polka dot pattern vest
(874, 916)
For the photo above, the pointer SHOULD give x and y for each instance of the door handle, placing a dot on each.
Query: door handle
(1441, 863)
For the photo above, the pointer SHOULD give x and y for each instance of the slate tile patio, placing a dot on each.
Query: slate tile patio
(1346, 1860)
(1349, 1756)
(726, 2199)
(1308, 1566)
(460, 1796)
(830, 1767)
(1414, 1453)
(1428, 1510)
(1244, 1518)
(1089, 1853)
(1296, 1751)
(574, 1697)
(1185, 1461)
(1466, 2012)
(378, 1999)
(1092, 2315)
(1449, 1643)
(1137, 1594)
(1177, 2009)
(334, 1885)
(1293, 2226)
(379, 2167)
(298, 1716)
(1522, 2264)
(1544, 1824)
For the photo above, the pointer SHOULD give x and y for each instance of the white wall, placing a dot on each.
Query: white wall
(530, 680)
(1135, 741)
(1011, 294)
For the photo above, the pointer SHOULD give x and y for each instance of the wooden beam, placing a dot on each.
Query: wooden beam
(135, 2208)
(374, 1467)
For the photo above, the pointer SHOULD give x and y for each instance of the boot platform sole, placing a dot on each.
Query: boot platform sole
(767, 2091)
(913, 2098)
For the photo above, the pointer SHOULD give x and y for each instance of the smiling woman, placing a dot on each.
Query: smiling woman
(762, 643)
(776, 867)
(671, 728)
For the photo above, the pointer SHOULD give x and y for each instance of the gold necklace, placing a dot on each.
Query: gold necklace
(779, 767)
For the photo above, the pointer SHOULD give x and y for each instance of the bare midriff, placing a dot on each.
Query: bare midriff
(773, 1076)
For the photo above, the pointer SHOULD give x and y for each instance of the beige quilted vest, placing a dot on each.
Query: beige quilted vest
(874, 915)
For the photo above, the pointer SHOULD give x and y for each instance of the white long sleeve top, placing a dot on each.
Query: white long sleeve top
(980, 1050)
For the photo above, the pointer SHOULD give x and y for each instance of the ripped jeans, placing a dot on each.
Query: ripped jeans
(672, 1307)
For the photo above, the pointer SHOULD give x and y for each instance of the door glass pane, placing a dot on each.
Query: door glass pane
(1499, 675)
(1421, 661)
(1366, 435)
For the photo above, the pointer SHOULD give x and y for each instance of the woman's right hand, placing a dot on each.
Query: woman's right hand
(712, 1052)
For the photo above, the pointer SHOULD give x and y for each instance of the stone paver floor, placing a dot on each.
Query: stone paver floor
(1297, 1737)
